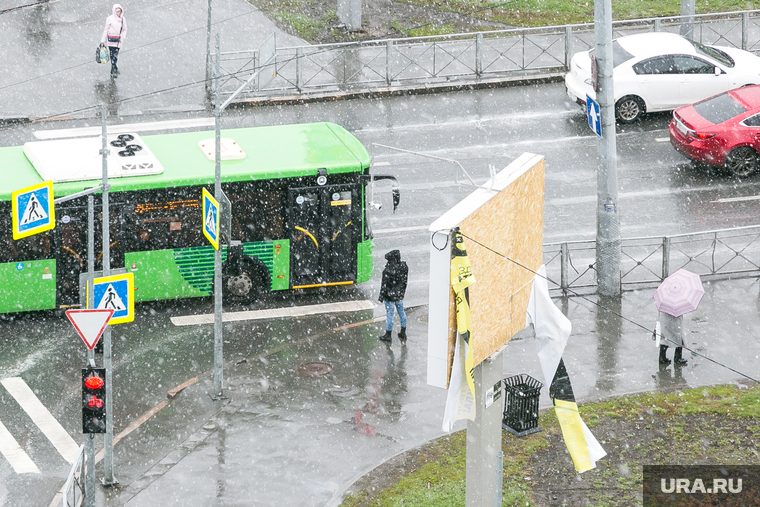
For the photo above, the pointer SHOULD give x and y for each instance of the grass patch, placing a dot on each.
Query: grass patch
(560, 12)
(714, 425)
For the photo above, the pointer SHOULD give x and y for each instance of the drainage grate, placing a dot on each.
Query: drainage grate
(315, 369)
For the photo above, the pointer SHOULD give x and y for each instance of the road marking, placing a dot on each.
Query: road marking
(42, 418)
(124, 129)
(381, 164)
(662, 139)
(275, 313)
(19, 460)
(738, 199)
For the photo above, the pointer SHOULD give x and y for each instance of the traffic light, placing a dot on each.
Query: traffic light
(93, 400)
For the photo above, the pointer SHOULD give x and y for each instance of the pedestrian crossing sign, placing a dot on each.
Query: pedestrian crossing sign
(33, 210)
(211, 218)
(115, 293)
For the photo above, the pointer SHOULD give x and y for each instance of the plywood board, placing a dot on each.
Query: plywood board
(503, 231)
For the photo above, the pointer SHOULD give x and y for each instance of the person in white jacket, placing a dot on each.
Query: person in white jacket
(114, 34)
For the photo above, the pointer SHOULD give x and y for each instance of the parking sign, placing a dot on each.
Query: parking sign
(33, 210)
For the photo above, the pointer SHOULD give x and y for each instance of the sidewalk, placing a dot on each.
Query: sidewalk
(284, 438)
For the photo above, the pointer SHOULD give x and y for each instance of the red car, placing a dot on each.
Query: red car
(723, 130)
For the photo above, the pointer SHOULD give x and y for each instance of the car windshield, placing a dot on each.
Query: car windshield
(719, 108)
(714, 53)
(619, 55)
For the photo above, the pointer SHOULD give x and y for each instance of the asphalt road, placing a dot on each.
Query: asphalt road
(660, 193)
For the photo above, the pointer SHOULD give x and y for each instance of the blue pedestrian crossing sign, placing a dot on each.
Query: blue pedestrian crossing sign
(594, 118)
(211, 218)
(32, 209)
(115, 293)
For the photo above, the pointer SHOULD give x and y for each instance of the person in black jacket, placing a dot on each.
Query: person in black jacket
(392, 290)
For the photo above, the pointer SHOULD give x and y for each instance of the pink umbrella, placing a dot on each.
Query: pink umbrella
(679, 293)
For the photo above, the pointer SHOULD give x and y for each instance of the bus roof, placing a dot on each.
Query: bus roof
(281, 151)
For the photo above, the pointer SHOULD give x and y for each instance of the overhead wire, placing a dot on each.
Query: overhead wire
(613, 312)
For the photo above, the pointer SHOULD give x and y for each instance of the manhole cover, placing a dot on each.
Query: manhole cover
(315, 369)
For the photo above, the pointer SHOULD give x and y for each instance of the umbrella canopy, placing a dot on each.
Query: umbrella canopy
(679, 293)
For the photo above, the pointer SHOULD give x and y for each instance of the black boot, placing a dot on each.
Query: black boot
(678, 359)
(663, 359)
(386, 337)
(402, 335)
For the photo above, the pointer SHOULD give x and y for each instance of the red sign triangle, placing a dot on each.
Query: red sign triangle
(90, 324)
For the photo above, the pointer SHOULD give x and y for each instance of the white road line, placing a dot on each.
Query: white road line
(276, 313)
(381, 164)
(42, 418)
(19, 460)
(738, 199)
(662, 139)
(123, 129)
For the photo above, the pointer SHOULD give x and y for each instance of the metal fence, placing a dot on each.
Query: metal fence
(648, 260)
(72, 493)
(459, 58)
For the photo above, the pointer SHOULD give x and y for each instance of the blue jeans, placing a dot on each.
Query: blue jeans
(389, 306)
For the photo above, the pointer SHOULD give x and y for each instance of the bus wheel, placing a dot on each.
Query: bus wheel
(251, 281)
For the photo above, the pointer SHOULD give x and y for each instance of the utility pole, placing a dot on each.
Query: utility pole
(218, 343)
(688, 9)
(607, 219)
(208, 52)
(108, 479)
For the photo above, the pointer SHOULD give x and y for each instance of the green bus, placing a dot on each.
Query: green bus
(299, 195)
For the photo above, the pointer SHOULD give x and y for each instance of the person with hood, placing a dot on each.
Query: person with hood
(114, 35)
(392, 290)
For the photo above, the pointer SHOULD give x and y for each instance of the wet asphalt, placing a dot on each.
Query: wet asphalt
(283, 437)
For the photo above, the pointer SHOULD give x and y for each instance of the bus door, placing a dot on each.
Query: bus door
(324, 231)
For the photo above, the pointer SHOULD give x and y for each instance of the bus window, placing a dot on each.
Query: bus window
(258, 213)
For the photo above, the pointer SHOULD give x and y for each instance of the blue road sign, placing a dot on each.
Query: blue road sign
(211, 219)
(32, 209)
(115, 293)
(594, 118)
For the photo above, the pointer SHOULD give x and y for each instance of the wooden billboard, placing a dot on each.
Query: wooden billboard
(502, 225)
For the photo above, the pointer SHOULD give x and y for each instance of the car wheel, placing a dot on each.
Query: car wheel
(742, 161)
(629, 109)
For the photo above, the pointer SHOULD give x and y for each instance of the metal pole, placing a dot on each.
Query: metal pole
(687, 18)
(208, 51)
(665, 257)
(108, 479)
(607, 219)
(218, 344)
(89, 449)
(478, 55)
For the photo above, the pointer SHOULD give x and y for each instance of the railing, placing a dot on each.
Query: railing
(73, 491)
(419, 62)
(648, 260)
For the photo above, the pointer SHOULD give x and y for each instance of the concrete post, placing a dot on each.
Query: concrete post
(687, 18)
(350, 14)
(484, 438)
(607, 218)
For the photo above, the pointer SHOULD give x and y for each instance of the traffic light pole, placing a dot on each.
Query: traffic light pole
(108, 479)
(89, 448)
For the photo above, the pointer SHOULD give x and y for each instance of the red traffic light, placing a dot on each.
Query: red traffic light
(95, 403)
(94, 382)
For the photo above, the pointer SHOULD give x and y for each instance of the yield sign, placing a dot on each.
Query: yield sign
(90, 324)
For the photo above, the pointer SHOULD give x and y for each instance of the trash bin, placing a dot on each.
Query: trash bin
(521, 405)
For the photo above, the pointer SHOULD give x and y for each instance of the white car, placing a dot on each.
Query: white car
(661, 71)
